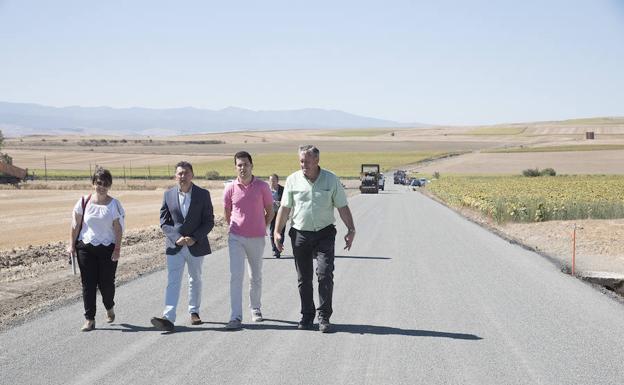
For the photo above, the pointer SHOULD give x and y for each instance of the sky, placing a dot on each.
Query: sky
(438, 62)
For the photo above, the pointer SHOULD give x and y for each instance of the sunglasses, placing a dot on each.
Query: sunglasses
(101, 183)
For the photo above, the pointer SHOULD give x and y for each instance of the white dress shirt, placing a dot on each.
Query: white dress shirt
(185, 201)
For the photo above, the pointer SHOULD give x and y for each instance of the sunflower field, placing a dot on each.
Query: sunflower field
(522, 199)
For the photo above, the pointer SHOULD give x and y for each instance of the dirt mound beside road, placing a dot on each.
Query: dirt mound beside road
(37, 279)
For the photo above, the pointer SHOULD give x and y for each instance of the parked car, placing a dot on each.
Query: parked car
(400, 177)
(414, 183)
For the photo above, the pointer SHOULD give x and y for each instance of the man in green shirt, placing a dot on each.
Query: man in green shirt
(311, 194)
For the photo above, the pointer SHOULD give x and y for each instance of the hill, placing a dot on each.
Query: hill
(33, 119)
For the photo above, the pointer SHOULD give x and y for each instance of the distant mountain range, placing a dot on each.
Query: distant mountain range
(17, 119)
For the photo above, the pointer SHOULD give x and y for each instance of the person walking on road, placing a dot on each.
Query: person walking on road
(95, 237)
(186, 218)
(312, 193)
(248, 207)
(276, 190)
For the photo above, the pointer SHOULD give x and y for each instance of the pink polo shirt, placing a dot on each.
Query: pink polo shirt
(247, 204)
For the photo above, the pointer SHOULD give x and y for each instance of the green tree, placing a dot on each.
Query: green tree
(4, 157)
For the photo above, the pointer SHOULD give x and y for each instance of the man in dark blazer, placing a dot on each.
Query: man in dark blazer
(276, 190)
(186, 218)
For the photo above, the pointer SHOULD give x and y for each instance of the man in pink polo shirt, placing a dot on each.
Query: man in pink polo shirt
(248, 205)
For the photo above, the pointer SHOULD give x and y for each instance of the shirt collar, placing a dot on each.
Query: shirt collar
(253, 180)
(182, 193)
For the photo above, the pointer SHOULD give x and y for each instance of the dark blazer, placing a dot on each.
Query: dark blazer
(198, 223)
(280, 191)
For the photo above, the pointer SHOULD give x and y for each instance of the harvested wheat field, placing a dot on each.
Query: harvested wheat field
(83, 159)
(36, 217)
(577, 162)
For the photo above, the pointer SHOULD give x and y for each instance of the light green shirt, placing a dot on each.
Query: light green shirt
(312, 204)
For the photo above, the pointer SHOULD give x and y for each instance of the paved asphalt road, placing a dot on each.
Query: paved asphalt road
(424, 296)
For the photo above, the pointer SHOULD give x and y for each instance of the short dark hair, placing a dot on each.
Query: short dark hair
(103, 175)
(274, 176)
(241, 155)
(186, 165)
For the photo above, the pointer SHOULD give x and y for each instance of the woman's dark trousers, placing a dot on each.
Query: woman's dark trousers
(97, 270)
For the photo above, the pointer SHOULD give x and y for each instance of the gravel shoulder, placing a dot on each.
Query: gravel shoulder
(37, 279)
(599, 244)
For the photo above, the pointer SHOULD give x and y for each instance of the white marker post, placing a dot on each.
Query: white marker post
(573, 248)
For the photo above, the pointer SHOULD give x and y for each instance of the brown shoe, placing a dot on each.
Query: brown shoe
(110, 315)
(88, 325)
(195, 320)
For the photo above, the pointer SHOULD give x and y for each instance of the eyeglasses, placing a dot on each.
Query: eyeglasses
(101, 183)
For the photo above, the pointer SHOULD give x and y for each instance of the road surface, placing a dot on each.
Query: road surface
(424, 296)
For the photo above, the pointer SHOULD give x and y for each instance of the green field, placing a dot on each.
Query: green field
(589, 147)
(536, 199)
(344, 164)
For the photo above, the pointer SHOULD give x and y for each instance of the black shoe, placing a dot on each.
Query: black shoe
(162, 324)
(276, 254)
(325, 326)
(306, 324)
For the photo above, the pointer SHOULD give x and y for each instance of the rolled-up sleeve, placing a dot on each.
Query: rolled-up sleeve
(287, 195)
(340, 197)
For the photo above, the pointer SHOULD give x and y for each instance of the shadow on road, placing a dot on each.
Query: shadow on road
(288, 325)
(128, 328)
(282, 257)
(218, 327)
(337, 257)
(358, 257)
(292, 325)
(387, 330)
(391, 192)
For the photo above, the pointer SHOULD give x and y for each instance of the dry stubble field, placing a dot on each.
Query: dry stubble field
(36, 217)
(36, 278)
(568, 162)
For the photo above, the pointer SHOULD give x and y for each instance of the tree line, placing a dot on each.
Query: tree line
(4, 157)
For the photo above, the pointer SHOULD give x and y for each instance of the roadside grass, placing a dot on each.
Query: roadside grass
(568, 148)
(496, 131)
(356, 133)
(522, 199)
(344, 164)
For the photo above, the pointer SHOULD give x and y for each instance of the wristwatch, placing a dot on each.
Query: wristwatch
(351, 231)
